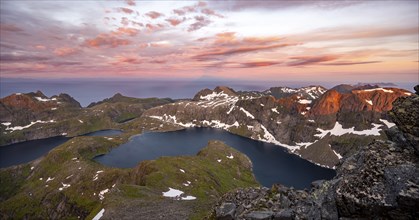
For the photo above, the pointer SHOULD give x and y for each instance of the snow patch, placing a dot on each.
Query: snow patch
(102, 194)
(42, 99)
(81, 121)
(274, 110)
(368, 101)
(214, 95)
(182, 171)
(247, 113)
(338, 130)
(32, 168)
(408, 93)
(49, 179)
(336, 153)
(304, 144)
(188, 198)
(387, 123)
(65, 186)
(68, 177)
(376, 89)
(26, 126)
(311, 121)
(6, 123)
(175, 193)
(187, 183)
(53, 109)
(219, 160)
(230, 157)
(172, 193)
(304, 101)
(99, 215)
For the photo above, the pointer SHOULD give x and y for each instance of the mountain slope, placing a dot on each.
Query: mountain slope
(35, 116)
(293, 121)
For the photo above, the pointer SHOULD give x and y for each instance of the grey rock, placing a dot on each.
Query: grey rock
(259, 215)
(286, 214)
(226, 211)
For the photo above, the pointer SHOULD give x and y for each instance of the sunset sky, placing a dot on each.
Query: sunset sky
(247, 40)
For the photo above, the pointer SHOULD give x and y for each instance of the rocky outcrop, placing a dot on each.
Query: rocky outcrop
(378, 182)
(405, 115)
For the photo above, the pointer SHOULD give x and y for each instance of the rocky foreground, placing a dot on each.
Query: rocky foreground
(378, 182)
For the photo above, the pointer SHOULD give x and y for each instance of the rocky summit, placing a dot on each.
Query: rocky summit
(380, 181)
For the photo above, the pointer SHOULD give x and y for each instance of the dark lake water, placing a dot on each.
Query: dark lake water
(24, 152)
(271, 163)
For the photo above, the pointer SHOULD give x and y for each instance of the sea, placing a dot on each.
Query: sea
(87, 91)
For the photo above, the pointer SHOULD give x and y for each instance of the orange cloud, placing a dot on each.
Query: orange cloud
(66, 51)
(105, 40)
(125, 31)
(40, 47)
(154, 14)
(345, 63)
(258, 64)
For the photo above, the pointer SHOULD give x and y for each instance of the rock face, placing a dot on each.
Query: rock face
(378, 182)
(298, 120)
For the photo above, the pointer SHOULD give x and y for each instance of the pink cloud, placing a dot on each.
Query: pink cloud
(311, 60)
(154, 27)
(125, 21)
(214, 52)
(130, 2)
(126, 10)
(208, 11)
(201, 22)
(154, 14)
(66, 51)
(175, 21)
(105, 40)
(9, 27)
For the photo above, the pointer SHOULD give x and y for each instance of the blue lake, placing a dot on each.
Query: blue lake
(271, 163)
(24, 152)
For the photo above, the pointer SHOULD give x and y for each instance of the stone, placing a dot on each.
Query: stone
(259, 215)
(226, 211)
(286, 214)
